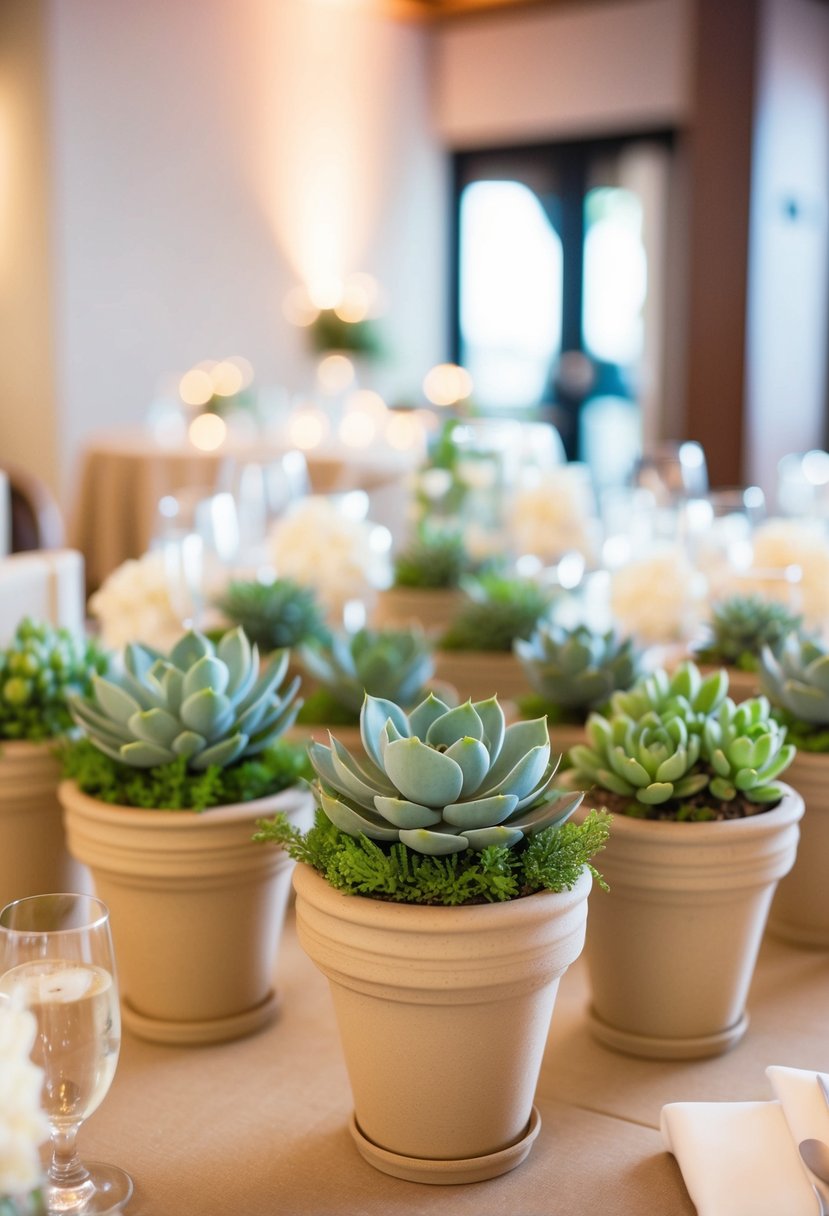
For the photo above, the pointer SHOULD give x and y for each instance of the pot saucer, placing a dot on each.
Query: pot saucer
(446, 1173)
(212, 1030)
(651, 1047)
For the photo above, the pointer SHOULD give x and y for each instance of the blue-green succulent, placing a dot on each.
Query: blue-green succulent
(797, 679)
(205, 702)
(391, 663)
(577, 668)
(442, 780)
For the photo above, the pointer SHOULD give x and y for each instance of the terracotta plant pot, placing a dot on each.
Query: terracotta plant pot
(431, 608)
(673, 945)
(800, 909)
(197, 910)
(443, 1015)
(33, 855)
(480, 673)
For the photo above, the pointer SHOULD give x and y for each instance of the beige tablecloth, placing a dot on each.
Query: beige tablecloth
(259, 1127)
(124, 474)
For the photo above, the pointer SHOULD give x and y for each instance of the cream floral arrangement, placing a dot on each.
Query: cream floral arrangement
(23, 1126)
(782, 543)
(657, 598)
(342, 558)
(554, 516)
(133, 604)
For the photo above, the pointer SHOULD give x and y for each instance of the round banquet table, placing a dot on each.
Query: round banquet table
(124, 474)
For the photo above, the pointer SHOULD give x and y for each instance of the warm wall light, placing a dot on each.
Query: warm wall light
(447, 384)
(196, 387)
(335, 373)
(207, 432)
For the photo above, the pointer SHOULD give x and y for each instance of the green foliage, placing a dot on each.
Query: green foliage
(275, 615)
(681, 744)
(330, 332)
(741, 626)
(433, 559)
(209, 704)
(40, 669)
(805, 736)
(500, 610)
(552, 860)
(577, 668)
(321, 708)
(173, 787)
(390, 663)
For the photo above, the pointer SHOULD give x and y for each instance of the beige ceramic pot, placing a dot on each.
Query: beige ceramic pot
(800, 910)
(33, 855)
(196, 909)
(443, 1015)
(480, 673)
(432, 609)
(673, 945)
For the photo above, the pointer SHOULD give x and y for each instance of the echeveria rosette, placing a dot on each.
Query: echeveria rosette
(797, 680)
(741, 626)
(577, 668)
(685, 693)
(652, 760)
(747, 750)
(442, 780)
(393, 664)
(206, 703)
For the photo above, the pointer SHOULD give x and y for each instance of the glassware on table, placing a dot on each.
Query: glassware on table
(719, 530)
(198, 536)
(56, 957)
(263, 492)
(673, 471)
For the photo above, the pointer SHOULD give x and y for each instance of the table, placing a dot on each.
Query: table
(124, 474)
(258, 1127)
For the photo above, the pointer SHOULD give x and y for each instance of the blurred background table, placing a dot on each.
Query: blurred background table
(124, 474)
(260, 1126)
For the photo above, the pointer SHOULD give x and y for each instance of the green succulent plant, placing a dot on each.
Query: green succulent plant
(690, 752)
(577, 669)
(275, 616)
(685, 692)
(442, 780)
(41, 668)
(433, 559)
(205, 704)
(741, 626)
(798, 679)
(499, 610)
(391, 663)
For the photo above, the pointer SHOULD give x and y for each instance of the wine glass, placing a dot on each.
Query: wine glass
(56, 956)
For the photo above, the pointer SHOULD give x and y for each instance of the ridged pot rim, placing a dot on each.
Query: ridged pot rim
(167, 820)
(362, 910)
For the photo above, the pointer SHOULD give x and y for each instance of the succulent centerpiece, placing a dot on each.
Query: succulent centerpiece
(796, 680)
(573, 671)
(738, 630)
(395, 664)
(476, 651)
(703, 830)
(442, 890)
(40, 668)
(275, 616)
(181, 754)
(426, 581)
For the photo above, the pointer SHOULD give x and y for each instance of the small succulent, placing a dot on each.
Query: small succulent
(499, 611)
(741, 626)
(206, 703)
(391, 663)
(433, 559)
(577, 668)
(442, 780)
(685, 692)
(694, 744)
(40, 669)
(275, 616)
(797, 679)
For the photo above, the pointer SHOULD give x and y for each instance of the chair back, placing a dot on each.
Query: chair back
(36, 521)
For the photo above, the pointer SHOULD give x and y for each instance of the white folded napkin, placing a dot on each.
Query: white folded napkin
(741, 1158)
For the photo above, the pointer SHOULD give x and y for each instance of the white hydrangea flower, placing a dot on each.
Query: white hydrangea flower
(342, 558)
(657, 597)
(133, 604)
(23, 1126)
(553, 516)
(779, 543)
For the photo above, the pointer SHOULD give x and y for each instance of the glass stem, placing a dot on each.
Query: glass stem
(65, 1169)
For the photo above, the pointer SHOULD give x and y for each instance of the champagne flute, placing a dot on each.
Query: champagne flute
(56, 955)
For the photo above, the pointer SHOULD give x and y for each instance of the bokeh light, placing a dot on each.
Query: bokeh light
(207, 432)
(447, 384)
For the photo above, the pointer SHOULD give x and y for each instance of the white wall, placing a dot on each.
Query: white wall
(575, 69)
(788, 316)
(207, 158)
